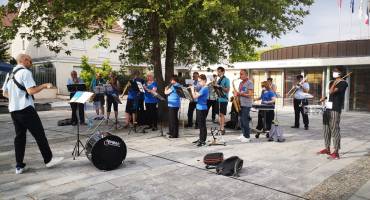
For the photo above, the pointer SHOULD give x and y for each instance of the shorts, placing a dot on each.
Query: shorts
(131, 106)
(99, 101)
(223, 107)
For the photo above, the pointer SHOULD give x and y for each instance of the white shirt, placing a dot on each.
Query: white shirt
(300, 94)
(17, 97)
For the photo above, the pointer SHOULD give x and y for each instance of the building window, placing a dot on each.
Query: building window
(359, 99)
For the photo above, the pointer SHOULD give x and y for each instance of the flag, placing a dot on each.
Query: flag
(352, 6)
(360, 10)
(367, 16)
(339, 2)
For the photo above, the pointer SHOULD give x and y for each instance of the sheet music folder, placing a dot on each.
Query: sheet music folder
(76, 87)
(184, 93)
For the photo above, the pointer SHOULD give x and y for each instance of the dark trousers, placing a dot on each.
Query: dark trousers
(28, 119)
(270, 114)
(81, 112)
(213, 104)
(298, 110)
(152, 112)
(244, 121)
(110, 102)
(201, 118)
(173, 122)
(192, 106)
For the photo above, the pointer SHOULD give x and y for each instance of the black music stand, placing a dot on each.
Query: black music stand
(80, 97)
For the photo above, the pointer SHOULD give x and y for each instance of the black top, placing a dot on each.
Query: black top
(338, 97)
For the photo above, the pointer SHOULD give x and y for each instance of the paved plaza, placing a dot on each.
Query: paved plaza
(160, 168)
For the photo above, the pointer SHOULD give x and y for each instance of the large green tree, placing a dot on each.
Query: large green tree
(179, 31)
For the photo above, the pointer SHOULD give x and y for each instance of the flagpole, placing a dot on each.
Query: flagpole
(340, 19)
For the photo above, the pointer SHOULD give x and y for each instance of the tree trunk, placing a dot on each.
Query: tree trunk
(156, 62)
(170, 53)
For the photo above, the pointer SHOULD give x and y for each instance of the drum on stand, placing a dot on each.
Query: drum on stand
(105, 151)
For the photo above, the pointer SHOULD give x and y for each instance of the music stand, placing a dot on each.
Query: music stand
(81, 98)
(184, 93)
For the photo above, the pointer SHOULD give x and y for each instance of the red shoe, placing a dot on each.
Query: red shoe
(333, 156)
(324, 151)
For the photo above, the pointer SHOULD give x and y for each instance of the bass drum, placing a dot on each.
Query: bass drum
(105, 151)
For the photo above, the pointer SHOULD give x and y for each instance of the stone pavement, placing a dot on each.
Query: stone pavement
(160, 168)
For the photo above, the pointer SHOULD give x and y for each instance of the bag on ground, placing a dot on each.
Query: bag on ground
(230, 167)
(213, 159)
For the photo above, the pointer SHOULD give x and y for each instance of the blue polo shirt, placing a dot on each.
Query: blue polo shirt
(149, 98)
(225, 83)
(173, 98)
(202, 99)
(267, 95)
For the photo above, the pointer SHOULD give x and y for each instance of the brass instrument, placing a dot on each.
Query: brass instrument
(236, 100)
(126, 88)
(294, 88)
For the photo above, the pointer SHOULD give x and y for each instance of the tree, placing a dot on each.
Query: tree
(89, 71)
(4, 55)
(181, 31)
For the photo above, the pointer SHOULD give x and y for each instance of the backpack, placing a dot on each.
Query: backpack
(230, 167)
(65, 122)
(11, 76)
(276, 134)
(213, 159)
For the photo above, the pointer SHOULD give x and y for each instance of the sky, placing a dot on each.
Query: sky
(322, 25)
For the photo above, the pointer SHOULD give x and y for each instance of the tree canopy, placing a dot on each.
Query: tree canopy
(183, 32)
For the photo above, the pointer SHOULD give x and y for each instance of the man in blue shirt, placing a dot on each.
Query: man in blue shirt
(173, 107)
(224, 83)
(201, 106)
(192, 104)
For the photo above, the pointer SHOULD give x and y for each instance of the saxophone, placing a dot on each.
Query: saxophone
(236, 100)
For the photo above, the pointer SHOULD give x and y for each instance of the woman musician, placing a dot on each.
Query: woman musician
(267, 97)
(173, 107)
(112, 94)
(151, 101)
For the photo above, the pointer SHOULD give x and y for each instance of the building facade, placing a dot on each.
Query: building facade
(314, 61)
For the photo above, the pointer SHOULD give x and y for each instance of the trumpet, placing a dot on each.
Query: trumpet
(236, 100)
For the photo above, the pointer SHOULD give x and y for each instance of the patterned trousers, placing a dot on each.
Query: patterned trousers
(331, 120)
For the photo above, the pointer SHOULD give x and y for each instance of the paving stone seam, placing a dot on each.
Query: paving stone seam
(231, 177)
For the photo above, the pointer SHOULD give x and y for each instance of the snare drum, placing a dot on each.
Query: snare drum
(105, 151)
(313, 109)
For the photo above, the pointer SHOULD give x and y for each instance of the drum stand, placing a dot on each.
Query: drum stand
(76, 150)
(216, 134)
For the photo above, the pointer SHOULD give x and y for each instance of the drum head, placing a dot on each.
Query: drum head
(109, 153)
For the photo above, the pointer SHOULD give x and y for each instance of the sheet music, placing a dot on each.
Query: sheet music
(81, 97)
(140, 86)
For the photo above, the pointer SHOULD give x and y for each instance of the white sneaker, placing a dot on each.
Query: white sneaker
(245, 140)
(240, 137)
(54, 161)
(19, 170)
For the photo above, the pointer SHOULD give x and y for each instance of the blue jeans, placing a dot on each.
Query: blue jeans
(244, 121)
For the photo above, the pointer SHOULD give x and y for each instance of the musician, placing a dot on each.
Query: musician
(268, 97)
(192, 104)
(19, 87)
(212, 99)
(331, 118)
(272, 85)
(99, 100)
(75, 80)
(173, 107)
(111, 95)
(151, 101)
(133, 100)
(245, 95)
(300, 100)
(201, 106)
(224, 83)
